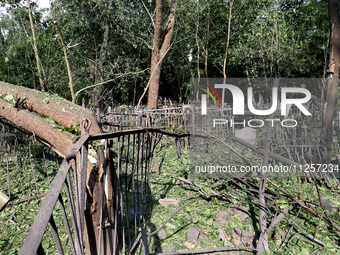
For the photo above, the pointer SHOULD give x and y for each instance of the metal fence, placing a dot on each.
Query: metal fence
(126, 160)
(122, 118)
(125, 163)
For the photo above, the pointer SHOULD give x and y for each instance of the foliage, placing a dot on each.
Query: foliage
(203, 212)
(268, 38)
(24, 173)
(272, 38)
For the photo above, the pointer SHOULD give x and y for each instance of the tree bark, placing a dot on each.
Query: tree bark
(41, 80)
(59, 141)
(231, 3)
(30, 115)
(334, 57)
(99, 64)
(60, 110)
(2, 43)
(160, 49)
(37, 105)
(67, 63)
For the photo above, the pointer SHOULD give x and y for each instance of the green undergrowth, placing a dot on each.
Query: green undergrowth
(203, 213)
(23, 177)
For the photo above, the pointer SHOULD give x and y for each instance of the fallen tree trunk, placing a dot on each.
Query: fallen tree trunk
(63, 112)
(60, 141)
(50, 118)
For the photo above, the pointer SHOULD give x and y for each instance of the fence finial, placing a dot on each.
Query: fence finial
(85, 125)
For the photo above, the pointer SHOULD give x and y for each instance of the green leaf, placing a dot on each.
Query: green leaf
(9, 98)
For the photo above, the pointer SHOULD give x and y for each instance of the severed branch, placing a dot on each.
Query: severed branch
(304, 206)
(201, 190)
(209, 250)
(25, 199)
(322, 248)
(304, 232)
(104, 82)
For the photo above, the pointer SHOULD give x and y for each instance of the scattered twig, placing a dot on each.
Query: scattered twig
(25, 199)
(322, 248)
(304, 206)
(164, 223)
(305, 232)
(209, 250)
(200, 187)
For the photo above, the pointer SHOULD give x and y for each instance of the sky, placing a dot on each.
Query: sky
(40, 3)
(43, 3)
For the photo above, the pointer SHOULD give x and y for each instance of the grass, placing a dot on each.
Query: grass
(15, 220)
(203, 213)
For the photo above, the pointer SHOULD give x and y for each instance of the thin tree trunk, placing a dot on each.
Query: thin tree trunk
(198, 46)
(136, 77)
(67, 63)
(207, 45)
(100, 64)
(334, 56)
(2, 43)
(159, 50)
(227, 48)
(41, 80)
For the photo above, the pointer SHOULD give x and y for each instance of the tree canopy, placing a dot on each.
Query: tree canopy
(111, 44)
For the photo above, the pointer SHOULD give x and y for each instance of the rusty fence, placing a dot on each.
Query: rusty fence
(127, 159)
(125, 205)
(118, 118)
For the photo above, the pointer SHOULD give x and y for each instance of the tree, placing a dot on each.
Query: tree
(40, 70)
(67, 63)
(52, 120)
(161, 46)
(46, 116)
(334, 57)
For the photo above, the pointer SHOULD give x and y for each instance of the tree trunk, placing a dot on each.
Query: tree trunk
(41, 80)
(160, 49)
(2, 43)
(100, 64)
(67, 63)
(60, 110)
(30, 115)
(59, 141)
(334, 56)
(227, 49)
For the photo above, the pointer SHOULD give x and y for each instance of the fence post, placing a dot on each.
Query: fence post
(152, 142)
